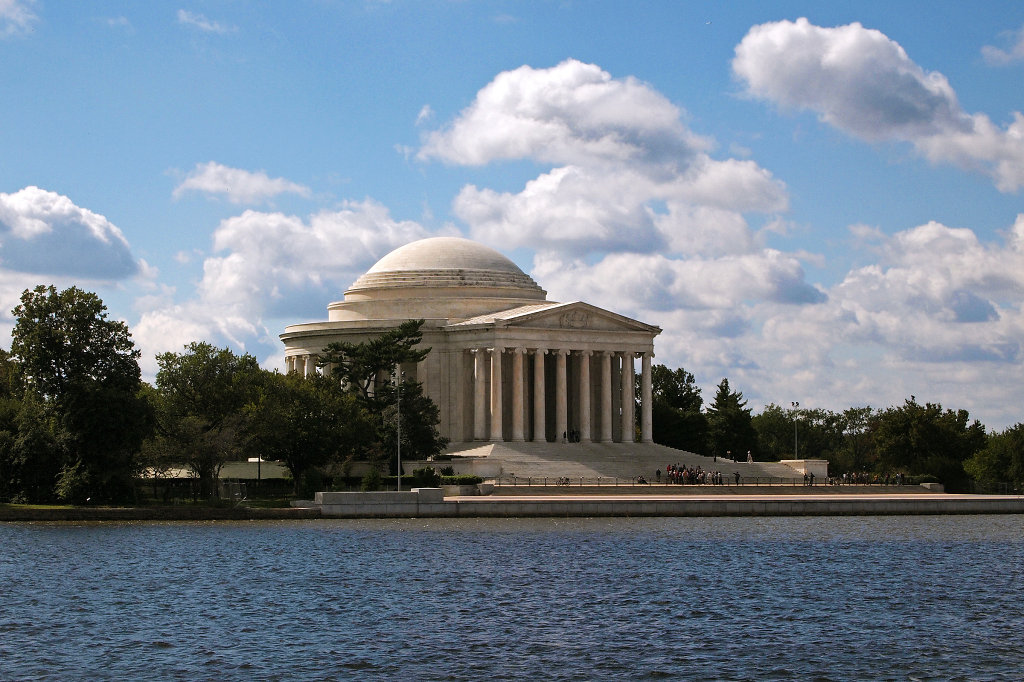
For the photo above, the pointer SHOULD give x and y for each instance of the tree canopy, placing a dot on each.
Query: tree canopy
(82, 372)
(306, 422)
(360, 365)
(676, 410)
(730, 426)
(200, 399)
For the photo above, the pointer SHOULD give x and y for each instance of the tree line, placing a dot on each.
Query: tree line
(78, 424)
(921, 440)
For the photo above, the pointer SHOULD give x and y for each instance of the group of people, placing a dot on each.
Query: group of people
(865, 478)
(571, 436)
(695, 475)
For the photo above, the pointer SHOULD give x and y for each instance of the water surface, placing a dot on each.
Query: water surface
(566, 599)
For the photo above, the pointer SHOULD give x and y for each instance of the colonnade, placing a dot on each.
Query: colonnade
(304, 365)
(540, 394)
(607, 377)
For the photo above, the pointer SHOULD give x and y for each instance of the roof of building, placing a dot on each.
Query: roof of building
(446, 262)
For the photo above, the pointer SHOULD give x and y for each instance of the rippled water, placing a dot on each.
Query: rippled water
(574, 599)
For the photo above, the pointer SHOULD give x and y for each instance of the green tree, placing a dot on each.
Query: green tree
(730, 425)
(775, 432)
(858, 451)
(1001, 460)
(366, 369)
(420, 417)
(361, 366)
(83, 369)
(200, 404)
(925, 439)
(676, 410)
(306, 422)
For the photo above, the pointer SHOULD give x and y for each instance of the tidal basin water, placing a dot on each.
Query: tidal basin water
(845, 598)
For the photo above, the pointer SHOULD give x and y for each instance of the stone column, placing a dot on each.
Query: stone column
(539, 414)
(586, 431)
(628, 399)
(421, 376)
(299, 363)
(289, 364)
(479, 394)
(646, 396)
(606, 397)
(496, 393)
(561, 395)
(518, 391)
(328, 368)
(310, 365)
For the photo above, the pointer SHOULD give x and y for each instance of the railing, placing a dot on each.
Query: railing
(606, 481)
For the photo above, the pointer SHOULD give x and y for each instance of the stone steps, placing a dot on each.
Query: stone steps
(605, 460)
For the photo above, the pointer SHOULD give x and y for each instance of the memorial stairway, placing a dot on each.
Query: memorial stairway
(603, 460)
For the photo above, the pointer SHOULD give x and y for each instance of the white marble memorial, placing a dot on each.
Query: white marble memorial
(506, 364)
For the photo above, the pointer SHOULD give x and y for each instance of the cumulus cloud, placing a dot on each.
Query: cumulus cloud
(573, 113)
(998, 57)
(43, 232)
(938, 309)
(16, 17)
(200, 22)
(621, 153)
(272, 265)
(655, 282)
(237, 185)
(939, 293)
(863, 83)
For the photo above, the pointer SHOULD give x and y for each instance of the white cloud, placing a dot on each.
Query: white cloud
(425, 114)
(272, 265)
(120, 22)
(622, 155)
(940, 314)
(46, 233)
(998, 57)
(573, 113)
(655, 282)
(237, 185)
(202, 23)
(863, 83)
(16, 17)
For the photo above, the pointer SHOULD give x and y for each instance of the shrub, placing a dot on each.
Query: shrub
(371, 481)
(448, 471)
(461, 479)
(427, 477)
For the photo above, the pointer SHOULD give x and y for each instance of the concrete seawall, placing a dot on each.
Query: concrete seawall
(428, 502)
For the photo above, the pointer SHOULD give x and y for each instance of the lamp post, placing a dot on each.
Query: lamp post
(796, 439)
(399, 376)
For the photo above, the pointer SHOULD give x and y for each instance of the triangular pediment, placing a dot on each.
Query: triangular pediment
(570, 316)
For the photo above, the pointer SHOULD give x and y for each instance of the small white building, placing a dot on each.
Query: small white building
(506, 364)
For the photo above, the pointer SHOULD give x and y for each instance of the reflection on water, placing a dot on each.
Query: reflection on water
(575, 599)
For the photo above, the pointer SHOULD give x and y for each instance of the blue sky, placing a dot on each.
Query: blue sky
(820, 201)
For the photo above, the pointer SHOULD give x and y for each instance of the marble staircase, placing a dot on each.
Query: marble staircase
(604, 460)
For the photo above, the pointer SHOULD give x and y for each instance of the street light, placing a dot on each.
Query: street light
(796, 440)
(399, 377)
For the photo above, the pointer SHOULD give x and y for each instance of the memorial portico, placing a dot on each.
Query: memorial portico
(506, 364)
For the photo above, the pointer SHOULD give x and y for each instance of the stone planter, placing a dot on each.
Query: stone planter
(459, 490)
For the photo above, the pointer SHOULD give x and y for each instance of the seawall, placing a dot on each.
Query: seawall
(424, 504)
(429, 502)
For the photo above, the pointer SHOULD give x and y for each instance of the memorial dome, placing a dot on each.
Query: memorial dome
(439, 277)
(445, 262)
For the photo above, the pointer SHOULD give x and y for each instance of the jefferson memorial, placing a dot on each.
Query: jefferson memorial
(507, 365)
